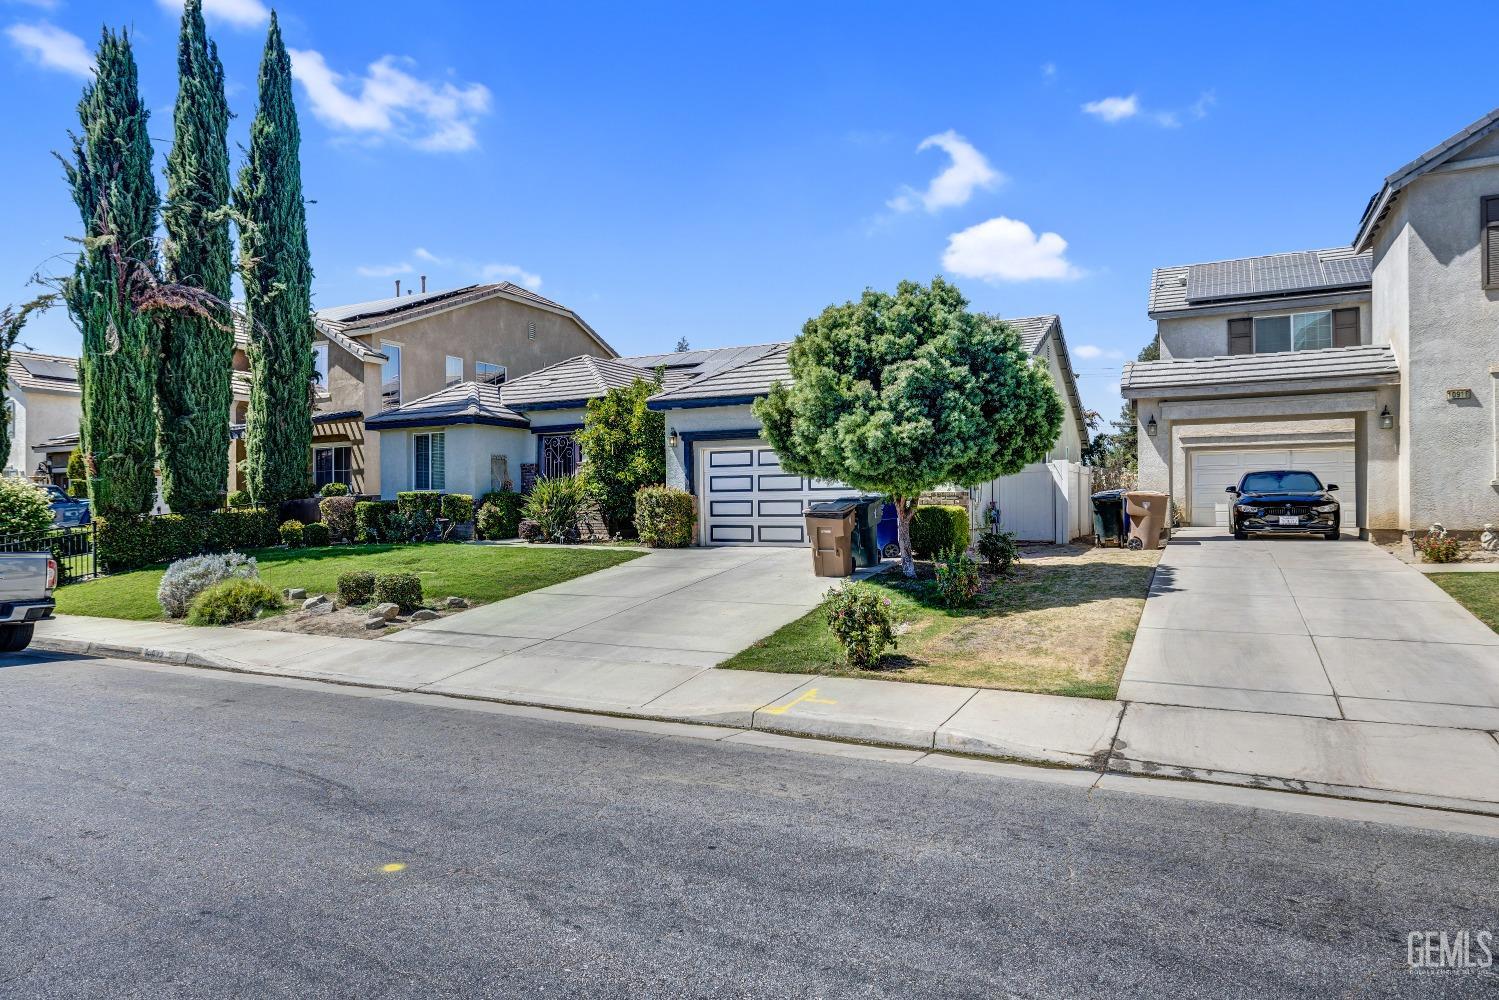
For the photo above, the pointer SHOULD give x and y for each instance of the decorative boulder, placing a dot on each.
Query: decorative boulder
(455, 602)
(321, 604)
(294, 593)
(424, 615)
(386, 611)
(375, 621)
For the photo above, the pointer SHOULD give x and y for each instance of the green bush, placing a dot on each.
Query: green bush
(23, 508)
(556, 504)
(126, 543)
(240, 498)
(230, 601)
(401, 589)
(338, 515)
(957, 579)
(77, 475)
(1436, 548)
(458, 507)
(291, 534)
(502, 519)
(428, 502)
(316, 534)
(356, 586)
(371, 518)
(860, 620)
(999, 550)
(665, 517)
(938, 528)
(334, 490)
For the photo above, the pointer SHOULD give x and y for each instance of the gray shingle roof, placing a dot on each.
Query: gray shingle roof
(460, 403)
(1280, 275)
(1376, 365)
(1032, 329)
(581, 378)
(701, 363)
(53, 372)
(746, 380)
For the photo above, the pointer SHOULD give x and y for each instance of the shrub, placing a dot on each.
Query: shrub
(427, 501)
(529, 530)
(316, 534)
(186, 578)
(291, 534)
(240, 498)
(1438, 548)
(126, 542)
(335, 490)
(556, 504)
(860, 620)
(665, 517)
(356, 586)
(938, 528)
(503, 519)
(338, 515)
(414, 524)
(999, 550)
(401, 589)
(458, 507)
(957, 579)
(622, 438)
(77, 475)
(370, 520)
(230, 601)
(23, 508)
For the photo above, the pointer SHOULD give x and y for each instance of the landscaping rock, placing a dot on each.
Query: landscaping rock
(386, 611)
(455, 602)
(294, 593)
(424, 615)
(320, 604)
(375, 621)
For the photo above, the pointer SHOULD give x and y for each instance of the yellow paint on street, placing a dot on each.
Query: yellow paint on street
(394, 866)
(806, 697)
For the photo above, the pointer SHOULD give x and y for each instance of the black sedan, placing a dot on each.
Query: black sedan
(1284, 501)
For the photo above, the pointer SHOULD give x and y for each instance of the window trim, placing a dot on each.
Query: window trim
(400, 362)
(1488, 218)
(415, 468)
(1254, 332)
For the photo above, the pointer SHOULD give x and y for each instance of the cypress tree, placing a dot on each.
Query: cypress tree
(277, 276)
(111, 179)
(193, 395)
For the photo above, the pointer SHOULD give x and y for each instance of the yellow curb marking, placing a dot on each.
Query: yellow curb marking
(394, 866)
(809, 696)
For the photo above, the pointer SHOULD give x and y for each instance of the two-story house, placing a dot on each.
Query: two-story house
(42, 403)
(1375, 365)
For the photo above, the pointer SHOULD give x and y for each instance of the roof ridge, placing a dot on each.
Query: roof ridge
(1262, 256)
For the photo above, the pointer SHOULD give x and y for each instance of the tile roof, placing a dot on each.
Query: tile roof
(572, 381)
(460, 403)
(1371, 364)
(1280, 275)
(1032, 329)
(54, 372)
(740, 382)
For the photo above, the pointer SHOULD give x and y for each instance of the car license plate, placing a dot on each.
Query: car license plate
(1291, 521)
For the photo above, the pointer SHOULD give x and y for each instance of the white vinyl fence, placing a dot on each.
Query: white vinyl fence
(1045, 502)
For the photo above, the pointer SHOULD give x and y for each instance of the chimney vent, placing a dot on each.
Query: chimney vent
(424, 284)
(398, 288)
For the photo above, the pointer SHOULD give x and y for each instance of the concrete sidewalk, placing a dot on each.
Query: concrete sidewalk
(1416, 765)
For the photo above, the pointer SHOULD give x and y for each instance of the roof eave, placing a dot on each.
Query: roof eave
(1216, 389)
(659, 403)
(382, 423)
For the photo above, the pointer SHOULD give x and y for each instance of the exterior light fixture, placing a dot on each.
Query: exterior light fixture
(675, 438)
(1386, 419)
(1150, 427)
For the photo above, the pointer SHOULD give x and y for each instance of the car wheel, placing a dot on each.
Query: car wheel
(14, 638)
(891, 551)
(1241, 536)
(1334, 534)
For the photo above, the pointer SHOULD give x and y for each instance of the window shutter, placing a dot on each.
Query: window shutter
(1241, 336)
(1345, 328)
(1491, 242)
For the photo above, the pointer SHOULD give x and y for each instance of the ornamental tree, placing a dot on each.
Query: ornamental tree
(277, 274)
(898, 394)
(193, 394)
(113, 186)
(625, 446)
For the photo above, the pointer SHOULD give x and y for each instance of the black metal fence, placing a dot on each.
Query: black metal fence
(73, 548)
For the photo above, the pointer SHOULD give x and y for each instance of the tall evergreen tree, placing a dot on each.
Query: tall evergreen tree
(277, 274)
(115, 191)
(193, 394)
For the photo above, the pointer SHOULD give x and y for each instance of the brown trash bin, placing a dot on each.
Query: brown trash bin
(1149, 513)
(830, 529)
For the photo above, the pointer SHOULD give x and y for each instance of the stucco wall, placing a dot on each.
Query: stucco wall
(1204, 334)
(466, 451)
(40, 415)
(706, 418)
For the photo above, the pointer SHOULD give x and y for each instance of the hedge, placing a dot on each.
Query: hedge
(338, 515)
(370, 517)
(499, 514)
(291, 534)
(401, 589)
(665, 517)
(458, 507)
(356, 586)
(936, 529)
(126, 543)
(316, 535)
(427, 501)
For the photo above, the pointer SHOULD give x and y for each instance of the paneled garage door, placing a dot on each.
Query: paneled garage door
(749, 500)
(1213, 471)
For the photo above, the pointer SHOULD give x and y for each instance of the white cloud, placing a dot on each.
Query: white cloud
(388, 102)
(383, 270)
(509, 272)
(1049, 71)
(240, 13)
(1092, 352)
(1114, 109)
(968, 172)
(1003, 249)
(52, 47)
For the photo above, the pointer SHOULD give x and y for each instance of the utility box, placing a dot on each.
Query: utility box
(830, 530)
(1149, 513)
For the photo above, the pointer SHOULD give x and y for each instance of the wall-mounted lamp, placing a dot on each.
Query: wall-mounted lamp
(674, 438)
(1150, 427)
(1386, 419)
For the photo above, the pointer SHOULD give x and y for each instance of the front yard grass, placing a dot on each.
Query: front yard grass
(480, 573)
(1478, 592)
(1061, 623)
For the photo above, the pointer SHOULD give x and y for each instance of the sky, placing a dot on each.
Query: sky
(721, 172)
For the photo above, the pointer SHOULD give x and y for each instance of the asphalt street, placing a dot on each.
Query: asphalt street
(189, 834)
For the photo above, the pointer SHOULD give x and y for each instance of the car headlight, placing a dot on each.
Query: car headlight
(1246, 509)
(1327, 508)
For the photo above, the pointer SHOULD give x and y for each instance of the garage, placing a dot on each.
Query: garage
(1214, 471)
(748, 499)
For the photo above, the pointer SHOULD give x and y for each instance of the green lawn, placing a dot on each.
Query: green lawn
(1062, 623)
(1478, 592)
(480, 573)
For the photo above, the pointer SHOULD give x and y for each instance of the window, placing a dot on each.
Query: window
(390, 377)
(1490, 218)
(559, 455)
(333, 465)
(454, 372)
(1298, 332)
(320, 365)
(431, 464)
(490, 374)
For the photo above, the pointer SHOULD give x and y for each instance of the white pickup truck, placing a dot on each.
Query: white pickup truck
(27, 580)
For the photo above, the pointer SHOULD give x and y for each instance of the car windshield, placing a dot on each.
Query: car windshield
(1280, 482)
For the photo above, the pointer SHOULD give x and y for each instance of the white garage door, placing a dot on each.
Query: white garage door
(749, 500)
(1213, 471)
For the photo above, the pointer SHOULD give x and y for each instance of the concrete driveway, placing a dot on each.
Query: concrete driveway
(1293, 626)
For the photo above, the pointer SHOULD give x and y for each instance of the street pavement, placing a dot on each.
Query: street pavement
(180, 833)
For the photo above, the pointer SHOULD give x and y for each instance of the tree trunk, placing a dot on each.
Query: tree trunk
(904, 508)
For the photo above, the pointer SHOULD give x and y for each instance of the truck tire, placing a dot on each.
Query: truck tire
(14, 638)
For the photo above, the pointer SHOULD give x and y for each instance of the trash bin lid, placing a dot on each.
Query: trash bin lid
(1108, 495)
(833, 508)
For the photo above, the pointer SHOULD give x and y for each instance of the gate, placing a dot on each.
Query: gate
(73, 548)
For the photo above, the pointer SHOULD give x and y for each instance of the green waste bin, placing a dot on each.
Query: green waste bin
(866, 531)
(1108, 517)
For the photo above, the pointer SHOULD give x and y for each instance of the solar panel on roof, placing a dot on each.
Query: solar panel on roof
(47, 368)
(1277, 275)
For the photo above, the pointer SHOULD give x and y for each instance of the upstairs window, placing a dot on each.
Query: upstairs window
(488, 373)
(320, 365)
(1297, 332)
(390, 377)
(1490, 234)
(453, 371)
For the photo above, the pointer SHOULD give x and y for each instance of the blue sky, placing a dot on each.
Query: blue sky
(721, 172)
